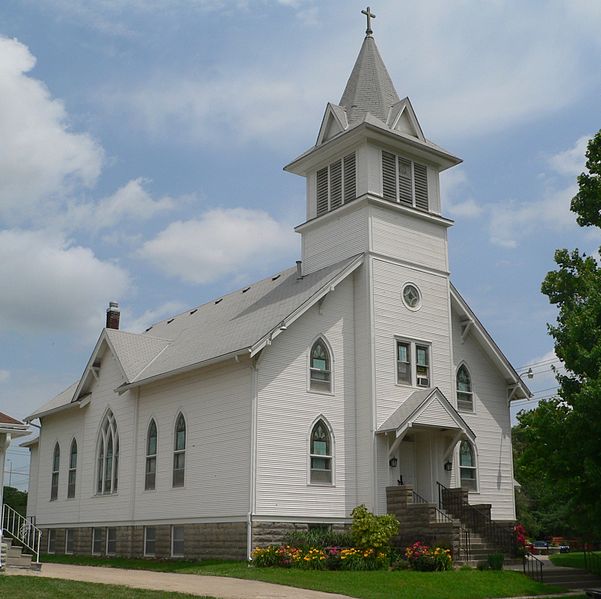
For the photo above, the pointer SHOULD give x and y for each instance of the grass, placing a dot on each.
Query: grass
(30, 587)
(570, 560)
(458, 584)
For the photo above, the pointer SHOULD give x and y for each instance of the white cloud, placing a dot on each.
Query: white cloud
(41, 158)
(455, 194)
(512, 220)
(131, 201)
(222, 243)
(4, 376)
(50, 284)
(571, 162)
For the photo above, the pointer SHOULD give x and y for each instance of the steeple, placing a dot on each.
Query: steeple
(369, 88)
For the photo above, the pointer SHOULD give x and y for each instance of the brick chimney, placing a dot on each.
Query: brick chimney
(112, 316)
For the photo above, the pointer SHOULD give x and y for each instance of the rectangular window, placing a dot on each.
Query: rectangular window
(97, 541)
(177, 541)
(179, 467)
(413, 363)
(111, 541)
(422, 365)
(336, 184)
(404, 363)
(69, 541)
(404, 181)
(71, 485)
(51, 540)
(149, 540)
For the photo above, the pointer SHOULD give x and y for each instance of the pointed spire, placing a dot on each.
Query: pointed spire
(369, 88)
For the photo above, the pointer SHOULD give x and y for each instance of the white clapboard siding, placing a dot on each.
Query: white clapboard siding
(435, 415)
(286, 411)
(335, 239)
(393, 320)
(410, 238)
(491, 423)
(32, 491)
(216, 404)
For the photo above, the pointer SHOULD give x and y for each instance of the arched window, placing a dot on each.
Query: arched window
(467, 465)
(465, 396)
(107, 474)
(56, 461)
(72, 470)
(321, 453)
(320, 367)
(151, 456)
(179, 451)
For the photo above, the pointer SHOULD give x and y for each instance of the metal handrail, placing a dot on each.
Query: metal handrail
(22, 530)
(465, 543)
(474, 518)
(592, 561)
(533, 567)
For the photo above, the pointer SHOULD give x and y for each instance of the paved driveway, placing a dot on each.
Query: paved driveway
(214, 586)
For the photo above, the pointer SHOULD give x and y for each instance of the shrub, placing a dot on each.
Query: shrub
(305, 539)
(495, 561)
(370, 531)
(483, 565)
(519, 540)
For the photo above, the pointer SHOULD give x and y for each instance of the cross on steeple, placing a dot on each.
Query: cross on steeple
(370, 15)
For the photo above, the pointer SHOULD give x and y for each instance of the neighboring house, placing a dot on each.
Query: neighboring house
(289, 402)
(10, 428)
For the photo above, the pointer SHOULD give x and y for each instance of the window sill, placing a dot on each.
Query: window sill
(316, 392)
(321, 485)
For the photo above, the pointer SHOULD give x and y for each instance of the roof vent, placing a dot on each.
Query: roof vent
(299, 269)
(217, 301)
(112, 316)
(245, 289)
(194, 311)
(170, 320)
(276, 277)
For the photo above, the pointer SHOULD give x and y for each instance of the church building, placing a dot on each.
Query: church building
(359, 371)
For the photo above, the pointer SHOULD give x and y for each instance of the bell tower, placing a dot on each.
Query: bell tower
(372, 163)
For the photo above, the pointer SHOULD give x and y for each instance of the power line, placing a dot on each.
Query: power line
(16, 473)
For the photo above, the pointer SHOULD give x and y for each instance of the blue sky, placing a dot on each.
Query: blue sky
(143, 140)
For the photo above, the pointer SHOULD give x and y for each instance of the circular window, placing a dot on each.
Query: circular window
(412, 297)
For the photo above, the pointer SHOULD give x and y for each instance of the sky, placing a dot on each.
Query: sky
(142, 146)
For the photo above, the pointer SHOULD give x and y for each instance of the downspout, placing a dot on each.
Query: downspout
(253, 454)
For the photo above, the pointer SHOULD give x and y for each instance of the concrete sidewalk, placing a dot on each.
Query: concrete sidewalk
(214, 586)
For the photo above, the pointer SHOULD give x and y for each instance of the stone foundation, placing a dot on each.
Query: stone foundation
(219, 540)
(273, 533)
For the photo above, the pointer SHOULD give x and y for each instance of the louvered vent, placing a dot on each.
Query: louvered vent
(421, 186)
(335, 184)
(322, 191)
(350, 178)
(404, 181)
(405, 185)
(389, 189)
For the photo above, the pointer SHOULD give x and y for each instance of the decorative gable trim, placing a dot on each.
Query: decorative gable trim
(402, 118)
(334, 122)
(471, 325)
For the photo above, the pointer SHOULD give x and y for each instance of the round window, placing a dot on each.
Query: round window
(412, 296)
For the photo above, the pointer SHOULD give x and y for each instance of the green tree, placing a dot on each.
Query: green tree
(564, 435)
(16, 499)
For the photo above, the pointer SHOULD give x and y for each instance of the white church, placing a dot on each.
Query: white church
(358, 372)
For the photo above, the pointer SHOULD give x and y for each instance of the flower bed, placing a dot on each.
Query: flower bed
(428, 559)
(316, 558)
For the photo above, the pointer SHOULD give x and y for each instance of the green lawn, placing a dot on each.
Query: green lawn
(459, 584)
(30, 587)
(570, 560)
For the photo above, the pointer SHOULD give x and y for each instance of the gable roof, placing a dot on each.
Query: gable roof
(241, 322)
(12, 426)
(428, 407)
